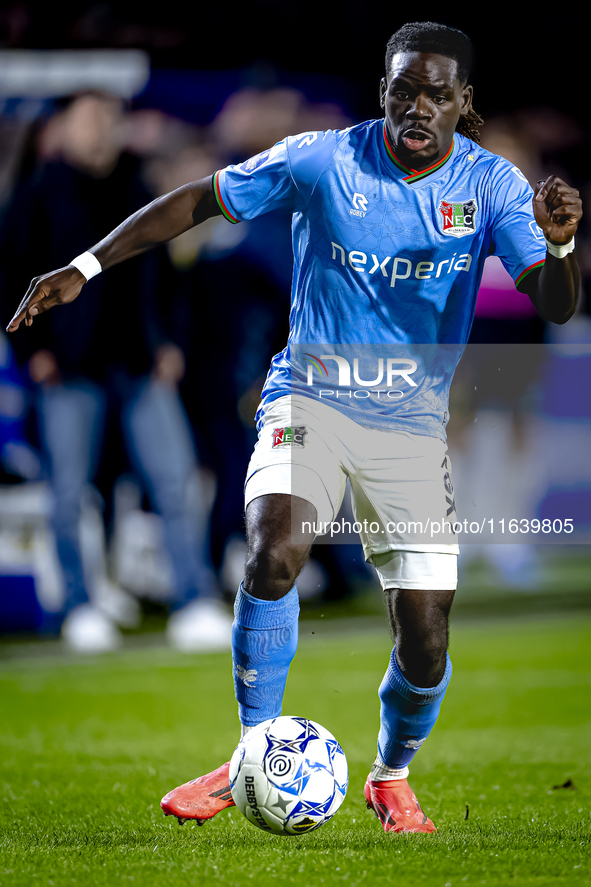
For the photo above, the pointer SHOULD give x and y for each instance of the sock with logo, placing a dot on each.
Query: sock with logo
(264, 642)
(407, 716)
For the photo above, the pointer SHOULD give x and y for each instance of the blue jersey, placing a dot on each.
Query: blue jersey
(387, 265)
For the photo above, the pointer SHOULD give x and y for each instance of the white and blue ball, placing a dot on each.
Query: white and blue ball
(288, 776)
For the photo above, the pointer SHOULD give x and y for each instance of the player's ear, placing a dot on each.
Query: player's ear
(466, 104)
(383, 91)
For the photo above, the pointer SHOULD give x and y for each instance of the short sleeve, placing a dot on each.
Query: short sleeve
(517, 238)
(281, 178)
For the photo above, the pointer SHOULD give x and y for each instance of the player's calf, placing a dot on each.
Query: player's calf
(420, 625)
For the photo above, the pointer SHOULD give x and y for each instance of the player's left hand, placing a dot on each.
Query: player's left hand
(557, 208)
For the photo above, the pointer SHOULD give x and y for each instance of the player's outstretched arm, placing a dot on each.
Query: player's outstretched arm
(154, 224)
(554, 289)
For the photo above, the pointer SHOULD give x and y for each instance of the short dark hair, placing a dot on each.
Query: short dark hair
(450, 42)
(432, 37)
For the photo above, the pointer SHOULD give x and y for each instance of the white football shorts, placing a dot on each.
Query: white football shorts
(402, 494)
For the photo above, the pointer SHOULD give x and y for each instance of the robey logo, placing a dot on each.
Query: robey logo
(359, 205)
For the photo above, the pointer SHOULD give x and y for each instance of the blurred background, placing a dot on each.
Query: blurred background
(126, 421)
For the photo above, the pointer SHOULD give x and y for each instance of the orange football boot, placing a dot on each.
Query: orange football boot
(200, 799)
(396, 806)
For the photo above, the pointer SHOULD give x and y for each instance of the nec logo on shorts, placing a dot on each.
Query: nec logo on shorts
(291, 436)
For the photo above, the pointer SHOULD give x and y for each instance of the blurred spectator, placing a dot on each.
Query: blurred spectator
(253, 119)
(503, 314)
(536, 141)
(233, 284)
(500, 377)
(107, 353)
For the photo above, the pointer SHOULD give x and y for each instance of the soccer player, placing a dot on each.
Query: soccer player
(392, 222)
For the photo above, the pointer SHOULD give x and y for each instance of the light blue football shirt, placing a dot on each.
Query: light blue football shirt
(387, 265)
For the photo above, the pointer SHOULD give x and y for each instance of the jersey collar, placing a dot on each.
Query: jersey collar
(413, 175)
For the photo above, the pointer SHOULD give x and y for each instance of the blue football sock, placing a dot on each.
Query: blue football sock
(264, 642)
(407, 715)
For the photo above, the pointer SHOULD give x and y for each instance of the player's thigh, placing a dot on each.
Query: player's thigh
(298, 456)
(403, 496)
(276, 554)
(278, 519)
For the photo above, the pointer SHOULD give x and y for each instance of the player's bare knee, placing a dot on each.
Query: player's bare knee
(271, 570)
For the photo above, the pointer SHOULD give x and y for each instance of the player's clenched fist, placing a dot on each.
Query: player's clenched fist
(57, 288)
(557, 208)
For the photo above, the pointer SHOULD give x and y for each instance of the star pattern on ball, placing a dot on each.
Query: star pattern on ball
(281, 803)
(315, 809)
(296, 745)
(334, 749)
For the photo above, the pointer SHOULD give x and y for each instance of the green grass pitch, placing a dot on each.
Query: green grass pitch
(88, 747)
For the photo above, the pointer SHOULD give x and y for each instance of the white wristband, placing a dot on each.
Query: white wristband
(87, 264)
(560, 250)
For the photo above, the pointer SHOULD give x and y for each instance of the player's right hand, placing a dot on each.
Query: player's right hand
(57, 288)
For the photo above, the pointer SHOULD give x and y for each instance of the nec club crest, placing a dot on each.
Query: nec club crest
(292, 436)
(458, 219)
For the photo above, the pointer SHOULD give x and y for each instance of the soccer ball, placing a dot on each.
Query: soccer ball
(288, 776)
